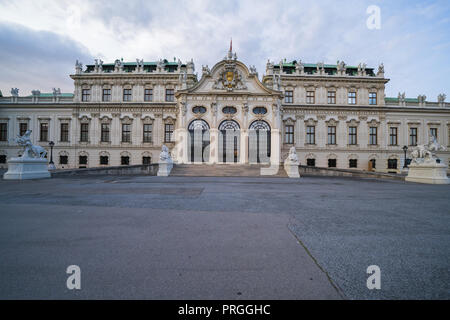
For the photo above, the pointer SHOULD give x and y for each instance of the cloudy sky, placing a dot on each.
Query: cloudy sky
(41, 39)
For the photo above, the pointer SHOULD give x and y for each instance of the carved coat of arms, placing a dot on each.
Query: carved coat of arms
(229, 79)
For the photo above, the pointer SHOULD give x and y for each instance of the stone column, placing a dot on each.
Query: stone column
(214, 145)
(299, 134)
(158, 130)
(321, 138)
(137, 129)
(94, 130)
(115, 130)
(244, 146)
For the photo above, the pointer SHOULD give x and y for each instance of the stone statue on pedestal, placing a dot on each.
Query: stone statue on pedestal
(165, 163)
(31, 165)
(425, 167)
(291, 164)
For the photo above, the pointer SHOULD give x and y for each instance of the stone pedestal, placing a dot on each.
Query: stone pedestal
(26, 168)
(291, 169)
(164, 168)
(432, 173)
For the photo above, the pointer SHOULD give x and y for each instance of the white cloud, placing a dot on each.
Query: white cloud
(312, 31)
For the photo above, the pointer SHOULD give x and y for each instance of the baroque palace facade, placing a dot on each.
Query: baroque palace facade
(122, 113)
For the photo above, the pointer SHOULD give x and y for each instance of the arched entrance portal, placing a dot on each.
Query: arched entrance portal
(259, 142)
(229, 141)
(198, 142)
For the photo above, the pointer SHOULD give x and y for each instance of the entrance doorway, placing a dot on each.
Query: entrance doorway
(229, 141)
(199, 141)
(259, 142)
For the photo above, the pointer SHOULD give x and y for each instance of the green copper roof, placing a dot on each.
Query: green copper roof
(314, 65)
(392, 99)
(50, 95)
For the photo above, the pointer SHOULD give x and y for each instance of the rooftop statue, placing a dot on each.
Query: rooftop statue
(381, 68)
(56, 92)
(30, 150)
(78, 67)
(441, 98)
(340, 66)
(206, 70)
(14, 92)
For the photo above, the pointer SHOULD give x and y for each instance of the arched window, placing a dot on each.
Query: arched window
(229, 125)
(198, 125)
(260, 125)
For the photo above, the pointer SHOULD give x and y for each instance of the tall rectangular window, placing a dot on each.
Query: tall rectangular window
(64, 134)
(331, 135)
(373, 136)
(310, 134)
(331, 163)
(43, 136)
(104, 160)
(84, 132)
(23, 127)
(170, 95)
(311, 162)
(82, 160)
(63, 159)
(126, 94)
(126, 132)
(413, 136)
(310, 96)
(352, 135)
(393, 140)
(146, 160)
(352, 97)
(168, 133)
(147, 133)
(289, 134)
(392, 163)
(148, 95)
(289, 96)
(3, 131)
(434, 132)
(372, 98)
(85, 95)
(331, 97)
(105, 132)
(106, 95)
(353, 163)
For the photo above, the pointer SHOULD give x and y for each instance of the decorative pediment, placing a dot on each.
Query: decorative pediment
(126, 119)
(332, 122)
(353, 122)
(310, 121)
(105, 119)
(373, 123)
(147, 119)
(85, 119)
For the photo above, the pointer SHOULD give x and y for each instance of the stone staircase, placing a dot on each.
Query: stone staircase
(222, 170)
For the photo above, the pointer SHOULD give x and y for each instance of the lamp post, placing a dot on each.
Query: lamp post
(51, 165)
(405, 148)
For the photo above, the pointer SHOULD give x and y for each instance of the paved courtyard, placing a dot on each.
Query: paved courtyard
(223, 238)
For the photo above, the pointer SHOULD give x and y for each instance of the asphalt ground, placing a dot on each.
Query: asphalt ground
(223, 238)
